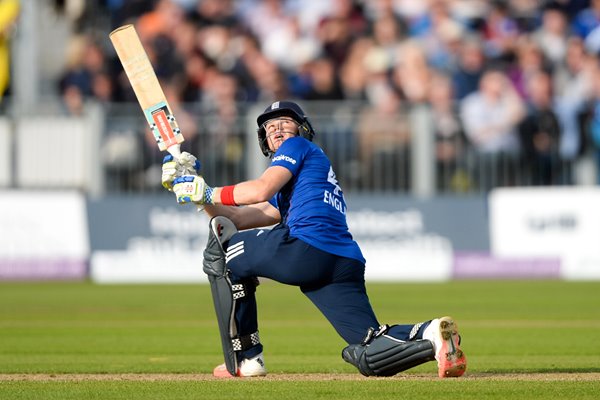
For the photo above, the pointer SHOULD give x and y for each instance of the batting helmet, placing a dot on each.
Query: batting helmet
(283, 109)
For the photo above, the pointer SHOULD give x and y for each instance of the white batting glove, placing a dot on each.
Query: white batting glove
(186, 164)
(192, 189)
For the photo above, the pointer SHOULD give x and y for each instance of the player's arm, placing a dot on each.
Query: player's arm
(260, 213)
(254, 191)
(252, 216)
(253, 194)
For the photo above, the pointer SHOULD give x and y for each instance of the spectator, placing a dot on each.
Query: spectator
(525, 13)
(387, 33)
(449, 136)
(491, 113)
(86, 76)
(587, 19)
(500, 32)
(269, 21)
(470, 66)
(376, 66)
(529, 60)
(73, 100)
(439, 35)
(490, 117)
(126, 11)
(185, 38)
(410, 11)
(324, 83)
(540, 132)
(277, 48)
(9, 12)
(377, 9)
(573, 83)
(198, 71)
(163, 20)
(246, 65)
(573, 76)
(353, 74)
(592, 125)
(573, 7)
(223, 140)
(336, 37)
(470, 13)
(411, 73)
(309, 13)
(216, 42)
(214, 12)
(102, 87)
(352, 12)
(271, 82)
(384, 137)
(552, 35)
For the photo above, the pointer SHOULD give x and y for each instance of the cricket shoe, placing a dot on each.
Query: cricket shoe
(248, 367)
(450, 358)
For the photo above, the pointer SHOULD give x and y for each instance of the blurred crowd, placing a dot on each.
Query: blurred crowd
(516, 82)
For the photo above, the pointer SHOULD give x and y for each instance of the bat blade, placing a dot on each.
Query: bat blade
(147, 89)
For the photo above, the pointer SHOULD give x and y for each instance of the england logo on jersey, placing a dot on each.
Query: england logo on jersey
(331, 178)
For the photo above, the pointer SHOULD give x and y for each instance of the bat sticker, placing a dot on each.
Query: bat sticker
(163, 124)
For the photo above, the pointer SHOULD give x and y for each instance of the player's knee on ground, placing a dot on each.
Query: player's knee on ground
(383, 355)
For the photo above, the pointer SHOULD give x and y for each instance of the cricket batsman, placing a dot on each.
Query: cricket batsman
(309, 247)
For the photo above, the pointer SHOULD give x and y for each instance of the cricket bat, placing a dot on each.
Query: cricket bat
(147, 89)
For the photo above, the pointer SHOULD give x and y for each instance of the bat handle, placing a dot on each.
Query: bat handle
(175, 151)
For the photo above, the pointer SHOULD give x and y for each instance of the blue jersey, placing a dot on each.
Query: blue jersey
(312, 204)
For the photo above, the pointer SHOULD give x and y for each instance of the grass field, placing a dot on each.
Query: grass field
(523, 340)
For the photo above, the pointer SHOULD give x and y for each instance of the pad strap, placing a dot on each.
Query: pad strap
(243, 289)
(372, 333)
(245, 342)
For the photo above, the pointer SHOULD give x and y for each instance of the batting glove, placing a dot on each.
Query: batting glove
(173, 168)
(192, 189)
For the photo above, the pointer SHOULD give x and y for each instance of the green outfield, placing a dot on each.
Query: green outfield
(523, 340)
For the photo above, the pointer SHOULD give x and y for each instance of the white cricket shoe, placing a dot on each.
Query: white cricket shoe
(248, 367)
(451, 360)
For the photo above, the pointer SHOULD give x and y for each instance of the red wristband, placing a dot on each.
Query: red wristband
(227, 196)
